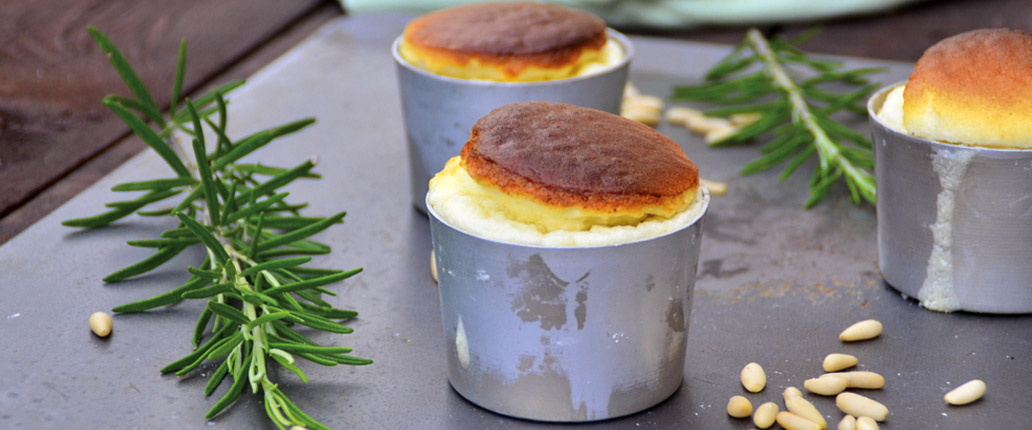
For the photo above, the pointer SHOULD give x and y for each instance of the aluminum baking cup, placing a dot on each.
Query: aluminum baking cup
(954, 222)
(440, 111)
(566, 334)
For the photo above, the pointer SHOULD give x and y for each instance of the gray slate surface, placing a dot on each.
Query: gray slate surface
(776, 283)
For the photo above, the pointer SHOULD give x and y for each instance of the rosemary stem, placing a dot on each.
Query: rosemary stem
(801, 113)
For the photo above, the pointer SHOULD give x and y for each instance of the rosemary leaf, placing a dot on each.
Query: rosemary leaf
(177, 85)
(250, 297)
(155, 184)
(128, 75)
(800, 120)
(149, 136)
(167, 298)
(145, 265)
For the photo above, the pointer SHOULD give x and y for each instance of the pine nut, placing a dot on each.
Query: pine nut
(866, 423)
(705, 124)
(739, 407)
(765, 415)
(825, 385)
(792, 421)
(966, 393)
(100, 323)
(863, 330)
(848, 423)
(753, 377)
(644, 116)
(648, 102)
(802, 407)
(836, 362)
(716, 135)
(630, 90)
(744, 119)
(791, 391)
(433, 266)
(860, 406)
(715, 188)
(680, 115)
(861, 379)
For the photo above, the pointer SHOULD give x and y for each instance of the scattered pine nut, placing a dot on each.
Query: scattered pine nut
(863, 330)
(680, 115)
(753, 377)
(739, 407)
(860, 406)
(803, 408)
(100, 323)
(639, 107)
(630, 90)
(649, 102)
(861, 379)
(791, 391)
(644, 116)
(715, 188)
(719, 134)
(765, 415)
(848, 423)
(825, 385)
(705, 124)
(866, 423)
(968, 392)
(744, 119)
(792, 421)
(836, 362)
(433, 266)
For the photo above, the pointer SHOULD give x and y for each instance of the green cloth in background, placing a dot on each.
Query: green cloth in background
(671, 14)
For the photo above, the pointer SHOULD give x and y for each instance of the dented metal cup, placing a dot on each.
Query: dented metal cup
(954, 218)
(439, 111)
(566, 334)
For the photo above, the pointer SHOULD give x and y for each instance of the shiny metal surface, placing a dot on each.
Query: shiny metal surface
(439, 111)
(986, 215)
(566, 334)
(775, 285)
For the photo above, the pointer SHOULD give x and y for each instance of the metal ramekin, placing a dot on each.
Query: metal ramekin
(566, 334)
(989, 208)
(440, 111)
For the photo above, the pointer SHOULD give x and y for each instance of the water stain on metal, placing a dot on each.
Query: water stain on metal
(715, 268)
(581, 311)
(542, 298)
(650, 282)
(531, 388)
(828, 289)
(733, 229)
(675, 315)
(526, 363)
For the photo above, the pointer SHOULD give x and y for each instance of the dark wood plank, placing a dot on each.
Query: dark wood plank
(52, 75)
(107, 160)
(901, 34)
(905, 34)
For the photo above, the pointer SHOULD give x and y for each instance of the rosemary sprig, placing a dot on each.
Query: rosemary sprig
(798, 117)
(237, 213)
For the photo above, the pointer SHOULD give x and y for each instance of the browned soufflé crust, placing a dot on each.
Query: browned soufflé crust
(975, 86)
(522, 33)
(563, 155)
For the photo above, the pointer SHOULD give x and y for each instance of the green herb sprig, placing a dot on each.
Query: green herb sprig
(798, 117)
(255, 298)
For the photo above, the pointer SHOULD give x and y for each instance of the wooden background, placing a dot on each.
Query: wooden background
(56, 139)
